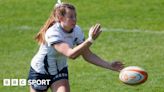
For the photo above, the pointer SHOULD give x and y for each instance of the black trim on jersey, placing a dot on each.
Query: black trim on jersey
(56, 42)
(75, 39)
(46, 64)
(57, 67)
(68, 32)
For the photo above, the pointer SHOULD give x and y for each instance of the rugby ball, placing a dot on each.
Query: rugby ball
(133, 75)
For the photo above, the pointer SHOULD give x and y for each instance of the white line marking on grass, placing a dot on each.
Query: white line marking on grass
(24, 27)
(132, 30)
(129, 30)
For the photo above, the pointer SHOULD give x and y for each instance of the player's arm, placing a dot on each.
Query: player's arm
(64, 48)
(68, 51)
(96, 60)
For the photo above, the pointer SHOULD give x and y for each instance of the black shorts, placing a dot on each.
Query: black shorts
(41, 82)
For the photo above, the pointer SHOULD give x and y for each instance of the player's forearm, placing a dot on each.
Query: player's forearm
(75, 52)
(94, 59)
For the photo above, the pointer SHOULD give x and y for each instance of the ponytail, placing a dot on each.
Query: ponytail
(40, 37)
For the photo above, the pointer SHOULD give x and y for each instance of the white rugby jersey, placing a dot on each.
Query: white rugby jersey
(48, 60)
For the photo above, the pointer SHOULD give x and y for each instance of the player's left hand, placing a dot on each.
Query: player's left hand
(116, 66)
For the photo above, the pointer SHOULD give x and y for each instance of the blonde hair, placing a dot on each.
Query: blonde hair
(58, 11)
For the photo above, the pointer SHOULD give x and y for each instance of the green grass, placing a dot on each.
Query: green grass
(21, 20)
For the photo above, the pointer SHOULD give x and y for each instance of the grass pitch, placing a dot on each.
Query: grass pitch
(133, 32)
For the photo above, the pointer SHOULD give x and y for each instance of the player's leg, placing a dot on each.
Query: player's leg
(61, 86)
(33, 90)
(59, 82)
(36, 86)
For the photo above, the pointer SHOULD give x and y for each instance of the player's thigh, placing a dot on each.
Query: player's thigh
(61, 86)
(34, 86)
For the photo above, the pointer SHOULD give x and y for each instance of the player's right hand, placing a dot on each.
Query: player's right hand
(94, 32)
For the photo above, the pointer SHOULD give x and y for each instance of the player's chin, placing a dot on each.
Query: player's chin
(73, 25)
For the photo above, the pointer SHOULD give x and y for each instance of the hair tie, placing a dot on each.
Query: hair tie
(58, 3)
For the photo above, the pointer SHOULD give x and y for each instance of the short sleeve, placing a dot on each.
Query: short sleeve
(53, 37)
(79, 36)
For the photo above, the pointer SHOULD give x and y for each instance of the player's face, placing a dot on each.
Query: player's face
(69, 20)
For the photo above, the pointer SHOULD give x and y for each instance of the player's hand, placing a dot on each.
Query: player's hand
(94, 32)
(116, 66)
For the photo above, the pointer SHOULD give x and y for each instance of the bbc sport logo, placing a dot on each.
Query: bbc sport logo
(24, 82)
